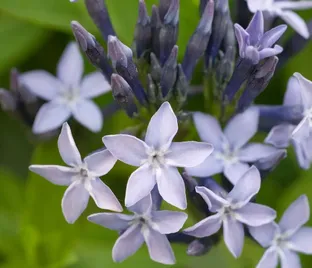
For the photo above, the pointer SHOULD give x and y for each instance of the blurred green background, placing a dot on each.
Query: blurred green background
(33, 233)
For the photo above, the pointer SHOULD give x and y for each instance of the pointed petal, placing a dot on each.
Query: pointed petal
(128, 243)
(100, 162)
(188, 154)
(302, 149)
(56, 174)
(162, 128)
(205, 227)
(242, 38)
(158, 247)
(296, 22)
(67, 147)
(289, 259)
(253, 152)
(70, 67)
(50, 116)
(279, 135)
(42, 84)
(242, 127)
(256, 28)
(171, 187)
(272, 36)
(214, 201)
(126, 148)
(113, 221)
(301, 240)
(305, 89)
(296, 215)
(167, 222)
(269, 259)
(94, 85)
(292, 95)
(254, 214)
(246, 187)
(269, 52)
(75, 201)
(302, 131)
(140, 184)
(88, 114)
(209, 167)
(233, 234)
(143, 206)
(208, 129)
(264, 234)
(235, 171)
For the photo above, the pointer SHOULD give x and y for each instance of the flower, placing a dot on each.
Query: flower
(145, 225)
(283, 240)
(256, 45)
(231, 153)
(232, 211)
(67, 95)
(157, 158)
(82, 177)
(283, 9)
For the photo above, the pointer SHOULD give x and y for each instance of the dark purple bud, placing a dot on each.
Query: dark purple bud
(7, 101)
(182, 87)
(202, 6)
(151, 90)
(156, 27)
(163, 8)
(118, 52)
(99, 14)
(156, 69)
(224, 67)
(229, 38)
(199, 247)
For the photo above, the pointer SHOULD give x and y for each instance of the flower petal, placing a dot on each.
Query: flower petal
(75, 201)
(209, 167)
(113, 221)
(296, 22)
(298, 5)
(100, 162)
(214, 201)
(205, 227)
(256, 28)
(188, 154)
(67, 147)
(292, 95)
(171, 187)
(140, 184)
(126, 148)
(301, 240)
(158, 246)
(143, 206)
(94, 85)
(234, 172)
(255, 151)
(56, 174)
(302, 150)
(269, 259)
(167, 222)
(296, 215)
(305, 89)
(272, 36)
(70, 67)
(279, 135)
(88, 114)
(42, 84)
(242, 38)
(264, 234)
(269, 52)
(289, 259)
(162, 127)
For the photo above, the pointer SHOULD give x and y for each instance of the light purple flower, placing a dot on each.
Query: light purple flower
(232, 211)
(285, 239)
(157, 158)
(146, 225)
(67, 94)
(283, 9)
(256, 45)
(231, 153)
(82, 177)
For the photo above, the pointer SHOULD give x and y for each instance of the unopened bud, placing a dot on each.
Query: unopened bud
(156, 69)
(151, 90)
(7, 101)
(182, 86)
(199, 247)
(156, 27)
(163, 8)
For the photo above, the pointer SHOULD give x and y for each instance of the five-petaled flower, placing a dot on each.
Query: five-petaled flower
(157, 158)
(67, 95)
(145, 225)
(232, 211)
(82, 177)
(283, 240)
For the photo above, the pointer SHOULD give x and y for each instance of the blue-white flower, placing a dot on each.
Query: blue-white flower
(231, 154)
(82, 177)
(283, 9)
(285, 239)
(254, 43)
(157, 158)
(146, 225)
(232, 211)
(67, 94)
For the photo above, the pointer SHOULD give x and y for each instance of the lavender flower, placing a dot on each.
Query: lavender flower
(285, 239)
(283, 9)
(67, 95)
(157, 158)
(231, 153)
(232, 211)
(82, 177)
(146, 225)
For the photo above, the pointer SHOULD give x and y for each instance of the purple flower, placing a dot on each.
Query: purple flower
(157, 158)
(146, 225)
(82, 177)
(231, 153)
(285, 239)
(256, 45)
(232, 211)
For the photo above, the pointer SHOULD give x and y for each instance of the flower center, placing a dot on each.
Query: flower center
(71, 95)
(228, 156)
(156, 159)
(280, 241)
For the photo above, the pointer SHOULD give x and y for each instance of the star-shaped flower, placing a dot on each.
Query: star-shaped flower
(232, 211)
(146, 225)
(82, 177)
(157, 158)
(256, 45)
(283, 9)
(285, 239)
(231, 153)
(67, 94)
